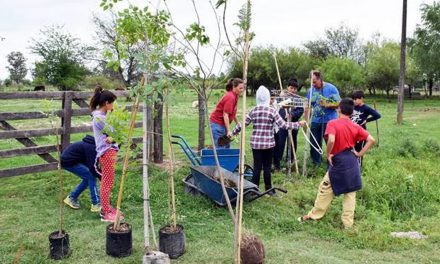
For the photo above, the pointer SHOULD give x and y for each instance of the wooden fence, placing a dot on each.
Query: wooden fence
(24, 136)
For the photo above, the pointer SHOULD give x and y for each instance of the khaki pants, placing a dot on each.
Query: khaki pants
(325, 197)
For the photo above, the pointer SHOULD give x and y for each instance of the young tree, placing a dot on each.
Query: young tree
(62, 58)
(17, 69)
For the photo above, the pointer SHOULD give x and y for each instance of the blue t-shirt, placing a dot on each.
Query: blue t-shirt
(328, 92)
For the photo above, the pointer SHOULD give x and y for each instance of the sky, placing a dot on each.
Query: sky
(281, 23)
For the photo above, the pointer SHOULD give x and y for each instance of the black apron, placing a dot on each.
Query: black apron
(345, 174)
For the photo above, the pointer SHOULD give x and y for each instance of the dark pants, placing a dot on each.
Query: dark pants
(280, 143)
(318, 130)
(358, 147)
(262, 160)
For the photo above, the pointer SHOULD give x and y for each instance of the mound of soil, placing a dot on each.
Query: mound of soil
(251, 250)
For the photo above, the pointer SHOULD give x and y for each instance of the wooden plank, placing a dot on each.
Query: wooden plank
(81, 112)
(27, 142)
(26, 115)
(81, 103)
(32, 95)
(66, 120)
(28, 169)
(27, 151)
(29, 133)
(54, 95)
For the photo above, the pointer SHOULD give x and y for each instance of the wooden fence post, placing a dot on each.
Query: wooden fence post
(66, 120)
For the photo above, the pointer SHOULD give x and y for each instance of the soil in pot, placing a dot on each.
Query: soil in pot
(119, 242)
(59, 245)
(251, 250)
(172, 241)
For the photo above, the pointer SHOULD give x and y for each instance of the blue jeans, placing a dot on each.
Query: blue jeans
(88, 179)
(318, 130)
(217, 132)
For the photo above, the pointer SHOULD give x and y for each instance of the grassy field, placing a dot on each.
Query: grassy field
(401, 193)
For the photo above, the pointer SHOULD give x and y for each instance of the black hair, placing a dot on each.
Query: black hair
(293, 82)
(317, 74)
(346, 106)
(234, 82)
(357, 95)
(101, 97)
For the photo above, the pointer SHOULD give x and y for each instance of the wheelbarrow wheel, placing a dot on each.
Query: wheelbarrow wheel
(248, 171)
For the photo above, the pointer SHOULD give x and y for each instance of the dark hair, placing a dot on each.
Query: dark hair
(101, 97)
(234, 82)
(293, 82)
(357, 95)
(317, 74)
(346, 106)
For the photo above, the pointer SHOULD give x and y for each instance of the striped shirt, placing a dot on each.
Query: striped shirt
(264, 118)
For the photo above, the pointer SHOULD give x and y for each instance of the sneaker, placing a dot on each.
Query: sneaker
(95, 208)
(272, 193)
(73, 203)
(304, 218)
(110, 216)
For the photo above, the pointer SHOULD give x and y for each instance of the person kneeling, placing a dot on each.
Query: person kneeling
(343, 175)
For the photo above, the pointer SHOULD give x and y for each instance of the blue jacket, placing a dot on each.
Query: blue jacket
(83, 152)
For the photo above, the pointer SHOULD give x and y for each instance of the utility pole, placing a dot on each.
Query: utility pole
(402, 66)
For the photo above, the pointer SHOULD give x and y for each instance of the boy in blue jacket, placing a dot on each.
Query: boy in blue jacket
(79, 158)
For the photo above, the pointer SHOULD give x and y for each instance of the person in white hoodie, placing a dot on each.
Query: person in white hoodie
(262, 142)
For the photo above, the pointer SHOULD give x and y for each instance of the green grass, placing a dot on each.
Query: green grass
(401, 193)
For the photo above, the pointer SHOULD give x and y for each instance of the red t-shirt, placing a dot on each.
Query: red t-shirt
(346, 134)
(227, 104)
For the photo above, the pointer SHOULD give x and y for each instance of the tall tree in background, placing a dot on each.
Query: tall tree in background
(17, 69)
(402, 66)
(342, 42)
(62, 58)
(115, 46)
(425, 46)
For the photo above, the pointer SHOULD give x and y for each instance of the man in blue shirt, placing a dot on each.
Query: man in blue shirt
(324, 100)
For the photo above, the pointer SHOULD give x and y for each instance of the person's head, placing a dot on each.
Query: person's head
(292, 86)
(263, 96)
(358, 97)
(235, 85)
(102, 99)
(317, 79)
(346, 106)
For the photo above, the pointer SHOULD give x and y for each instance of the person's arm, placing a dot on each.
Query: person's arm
(226, 120)
(236, 119)
(370, 142)
(330, 145)
(287, 125)
(237, 128)
(373, 115)
(333, 95)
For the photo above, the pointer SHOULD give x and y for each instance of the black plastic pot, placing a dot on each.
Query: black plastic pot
(119, 243)
(59, 245)
(172, 242)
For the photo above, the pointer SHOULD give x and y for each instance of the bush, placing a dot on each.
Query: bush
(91, 81)
(7, 82)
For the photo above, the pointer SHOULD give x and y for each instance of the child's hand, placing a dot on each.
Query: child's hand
(330, 159)
(109, 140)
(302, 123)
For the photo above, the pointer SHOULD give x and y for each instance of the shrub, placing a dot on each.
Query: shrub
(91, 81)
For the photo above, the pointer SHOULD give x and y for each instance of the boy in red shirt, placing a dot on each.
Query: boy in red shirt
(343, 175)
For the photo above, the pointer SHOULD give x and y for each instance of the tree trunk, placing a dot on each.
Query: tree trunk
(401, 94)
(158, 139)
(202, 122)
(149, 113)
(430, 85)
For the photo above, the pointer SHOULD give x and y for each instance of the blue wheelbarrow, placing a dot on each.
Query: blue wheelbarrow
(227, 158)
(205, 180)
